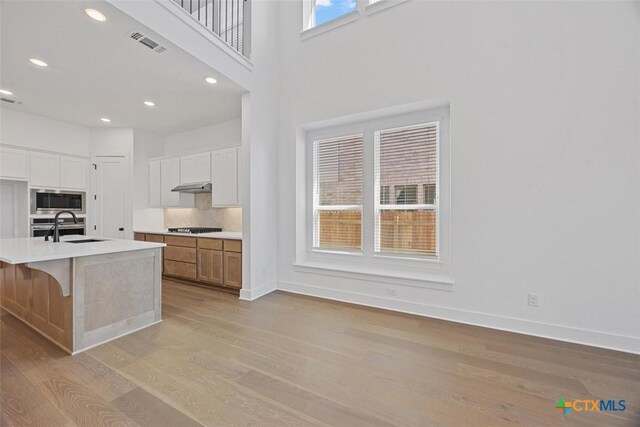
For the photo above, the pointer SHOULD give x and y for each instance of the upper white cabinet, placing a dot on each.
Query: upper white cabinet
(13, 163)
(45, 170)
(195, 168)
(73, 173)
(155, 187)
(170, 178)
(224, 178)
(54, 171)
(219, 167)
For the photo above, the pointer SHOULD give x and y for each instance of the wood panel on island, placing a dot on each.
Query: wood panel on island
(202, 261)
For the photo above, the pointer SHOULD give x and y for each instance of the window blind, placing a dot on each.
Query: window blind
(406, 159)
(337, 198)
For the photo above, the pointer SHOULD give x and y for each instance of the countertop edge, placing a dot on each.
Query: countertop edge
(224, 235)
(16, 261)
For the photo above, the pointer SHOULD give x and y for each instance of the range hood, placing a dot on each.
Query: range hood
(201, 187)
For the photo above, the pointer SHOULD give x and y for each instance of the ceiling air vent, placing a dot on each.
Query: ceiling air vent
(146, 41)
(10, 101)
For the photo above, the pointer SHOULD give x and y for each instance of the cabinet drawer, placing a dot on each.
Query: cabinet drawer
(156, 238)
(178, 253)
(233, 245)
(180, 269)
(188, 242)
(215, 244)
(139, 236)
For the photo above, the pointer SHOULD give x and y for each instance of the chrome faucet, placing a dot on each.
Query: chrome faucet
(56, 232)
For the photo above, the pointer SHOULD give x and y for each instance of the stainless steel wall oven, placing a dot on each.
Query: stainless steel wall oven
(43, 226)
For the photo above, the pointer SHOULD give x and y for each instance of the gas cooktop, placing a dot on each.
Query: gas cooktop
(195, 230)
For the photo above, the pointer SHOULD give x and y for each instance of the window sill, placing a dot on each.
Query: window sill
(377, 274)
(330, 25)
(381, 5)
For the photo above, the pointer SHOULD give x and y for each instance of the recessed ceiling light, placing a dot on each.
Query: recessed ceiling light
(6, 92)
(105, 119)
(149, 103)
(38, 62)
(210, 80)
(96, 14)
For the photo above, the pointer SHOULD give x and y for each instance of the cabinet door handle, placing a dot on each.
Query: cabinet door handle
(121, 229)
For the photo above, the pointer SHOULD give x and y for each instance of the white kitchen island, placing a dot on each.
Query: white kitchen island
(79, 295)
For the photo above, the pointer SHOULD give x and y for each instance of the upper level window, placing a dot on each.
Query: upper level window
(327, 10)
(319, 12)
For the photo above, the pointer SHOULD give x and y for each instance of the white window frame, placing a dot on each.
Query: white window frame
(409, 269)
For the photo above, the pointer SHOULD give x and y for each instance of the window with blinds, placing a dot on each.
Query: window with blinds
(406, 159)
(337, 193)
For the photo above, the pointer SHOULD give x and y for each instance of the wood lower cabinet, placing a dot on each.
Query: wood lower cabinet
(233, 269)
(36, 298)
(210, 266)
(177, 253)
(205, 261)
(183, 270)
(180, 258)
(156, 238)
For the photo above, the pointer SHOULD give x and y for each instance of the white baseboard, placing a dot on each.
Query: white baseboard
(606, 340)
(253, 294)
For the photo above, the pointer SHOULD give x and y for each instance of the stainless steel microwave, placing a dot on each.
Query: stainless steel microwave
(53, 201)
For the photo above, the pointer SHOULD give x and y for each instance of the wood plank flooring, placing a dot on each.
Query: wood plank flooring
(299, 361)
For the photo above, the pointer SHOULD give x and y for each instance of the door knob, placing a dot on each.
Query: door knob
(121, 229)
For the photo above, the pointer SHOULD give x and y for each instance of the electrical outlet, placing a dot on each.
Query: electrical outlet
(391, 292)
(533, 300)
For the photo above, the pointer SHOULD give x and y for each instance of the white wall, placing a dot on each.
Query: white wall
(145, 146)
(259, 156)
(219, 135)
(545, 110)
(108, 141)
(42, 133)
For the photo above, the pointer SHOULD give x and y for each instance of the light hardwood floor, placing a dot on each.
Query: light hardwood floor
(293, 360)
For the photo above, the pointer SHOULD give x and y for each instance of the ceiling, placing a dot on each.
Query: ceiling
(96, 70)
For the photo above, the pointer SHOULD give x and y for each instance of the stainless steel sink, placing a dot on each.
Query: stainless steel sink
(83, 241)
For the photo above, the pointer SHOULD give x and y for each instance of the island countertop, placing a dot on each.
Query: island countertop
(33, 249)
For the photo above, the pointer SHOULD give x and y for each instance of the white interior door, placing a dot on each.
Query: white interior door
(112, 211)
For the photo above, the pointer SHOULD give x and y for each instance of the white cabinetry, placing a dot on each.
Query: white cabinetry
(54, 171)
(219, 167)
(13, 164)
(195, 168)
(155, 187)
(170, 178)
(224, 174)
(73, 173)
(45, 170)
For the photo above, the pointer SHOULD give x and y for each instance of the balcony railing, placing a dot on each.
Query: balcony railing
(228, 19)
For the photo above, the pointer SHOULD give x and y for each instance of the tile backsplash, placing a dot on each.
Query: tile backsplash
(203, 215)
